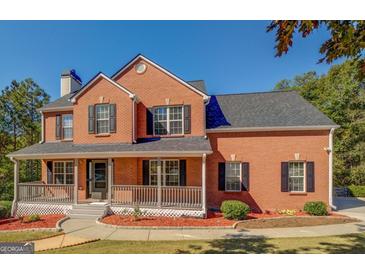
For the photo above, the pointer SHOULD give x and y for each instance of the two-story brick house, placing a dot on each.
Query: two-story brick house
(144, 137)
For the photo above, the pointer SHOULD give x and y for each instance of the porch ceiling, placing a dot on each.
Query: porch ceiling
(182, 146)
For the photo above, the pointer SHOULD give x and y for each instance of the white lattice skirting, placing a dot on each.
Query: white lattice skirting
(166, 212)
(24, 209)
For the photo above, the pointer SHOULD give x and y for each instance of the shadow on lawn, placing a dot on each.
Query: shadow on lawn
(352, 244)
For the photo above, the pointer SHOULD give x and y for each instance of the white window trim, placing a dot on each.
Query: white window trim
(225, 177)
(163, 173)
(64, 173)
(304, 179)
(168, 121)
(63, 126)
(102, 119)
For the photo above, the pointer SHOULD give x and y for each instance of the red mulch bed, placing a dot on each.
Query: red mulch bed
(213, 219)
(46, 221)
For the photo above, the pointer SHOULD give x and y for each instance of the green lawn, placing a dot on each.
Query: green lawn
(25, 236)
(354, 243)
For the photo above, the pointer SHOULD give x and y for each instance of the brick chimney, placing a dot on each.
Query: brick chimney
(70, 82)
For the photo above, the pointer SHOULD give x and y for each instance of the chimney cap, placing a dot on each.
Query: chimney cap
(72, 73)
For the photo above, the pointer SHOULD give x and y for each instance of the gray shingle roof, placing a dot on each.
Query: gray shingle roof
(59, 103)
(199, 84)
(263, 109)
(183, 145)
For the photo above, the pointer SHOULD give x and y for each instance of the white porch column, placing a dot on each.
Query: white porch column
(204, 173)
(110, 179)
(16, 182)
(76, 180)
(159, 182)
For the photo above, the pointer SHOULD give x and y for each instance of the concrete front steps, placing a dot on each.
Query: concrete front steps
(88, 211)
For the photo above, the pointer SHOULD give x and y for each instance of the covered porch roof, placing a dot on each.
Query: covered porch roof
(151, 147)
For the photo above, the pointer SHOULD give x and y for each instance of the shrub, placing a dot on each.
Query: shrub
(5, 209)
(137, 213)
(234, 210)
(356, 191)
(316, 208)
(31, 218)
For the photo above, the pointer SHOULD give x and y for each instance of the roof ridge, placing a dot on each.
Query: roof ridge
(257, 92)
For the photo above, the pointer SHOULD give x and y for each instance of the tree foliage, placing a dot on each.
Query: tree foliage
(19, 127)
(340, 94)
(347, 38)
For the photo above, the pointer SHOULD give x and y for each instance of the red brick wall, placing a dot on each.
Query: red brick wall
(153, 87)
(102, 91)
(265, 151)
(50, 124)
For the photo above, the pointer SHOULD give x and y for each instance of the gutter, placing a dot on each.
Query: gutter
(42, 128)
(284, 128)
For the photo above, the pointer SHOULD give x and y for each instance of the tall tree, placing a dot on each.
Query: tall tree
(340, 94)
(20, 125)
(347, 39)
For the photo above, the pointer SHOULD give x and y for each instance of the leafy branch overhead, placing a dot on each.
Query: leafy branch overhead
(347, 38)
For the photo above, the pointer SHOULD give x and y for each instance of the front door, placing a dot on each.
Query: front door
(99, 179)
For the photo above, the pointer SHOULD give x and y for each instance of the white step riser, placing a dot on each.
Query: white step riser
(82, 216)
(88, 207)
(87, 211)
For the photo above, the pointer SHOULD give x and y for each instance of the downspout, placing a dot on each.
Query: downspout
(330, 168)
(134, 100)
(42, 128)
(206, 102)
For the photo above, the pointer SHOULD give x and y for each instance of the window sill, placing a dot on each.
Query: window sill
(168, 136)
(67, 140)
(293, 193)
(102, 135)
(232, 191)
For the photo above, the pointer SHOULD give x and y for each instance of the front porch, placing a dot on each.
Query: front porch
(179, 191)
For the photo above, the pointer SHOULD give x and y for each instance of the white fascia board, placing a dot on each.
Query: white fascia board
(131, 95)
(55, 109)
(102, 155)
(205, 97)
(254, 129)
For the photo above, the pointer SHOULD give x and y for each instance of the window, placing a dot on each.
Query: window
(67, 126)
(233, 176)
(63, 172)
(102, 118)
(296, 176)
(170, 172)
(168, 120)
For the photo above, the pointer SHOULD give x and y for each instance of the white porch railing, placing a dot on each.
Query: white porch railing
(39, 192)
(153, 196)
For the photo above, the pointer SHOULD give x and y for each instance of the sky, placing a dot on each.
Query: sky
(231, 56)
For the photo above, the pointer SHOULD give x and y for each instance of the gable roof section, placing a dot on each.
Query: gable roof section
(255, 111)
(199, 84)
(140, 56)
(96, 77)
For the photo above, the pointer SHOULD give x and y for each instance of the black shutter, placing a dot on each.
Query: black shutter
(221, 176)
(149, 121)
(58, 127)
(49, 172)
(187, 119)
(146, 172)
(284, 177)
(112, 118)
(91, 119)
(310, 176)
(245, 176)
(182, 172)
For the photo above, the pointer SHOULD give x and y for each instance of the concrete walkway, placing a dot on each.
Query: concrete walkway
(79, 231)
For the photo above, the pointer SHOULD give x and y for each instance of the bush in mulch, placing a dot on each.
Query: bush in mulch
(234, 210)
(316, 208)
(5, 209)
(357, 190)
(31, 218)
